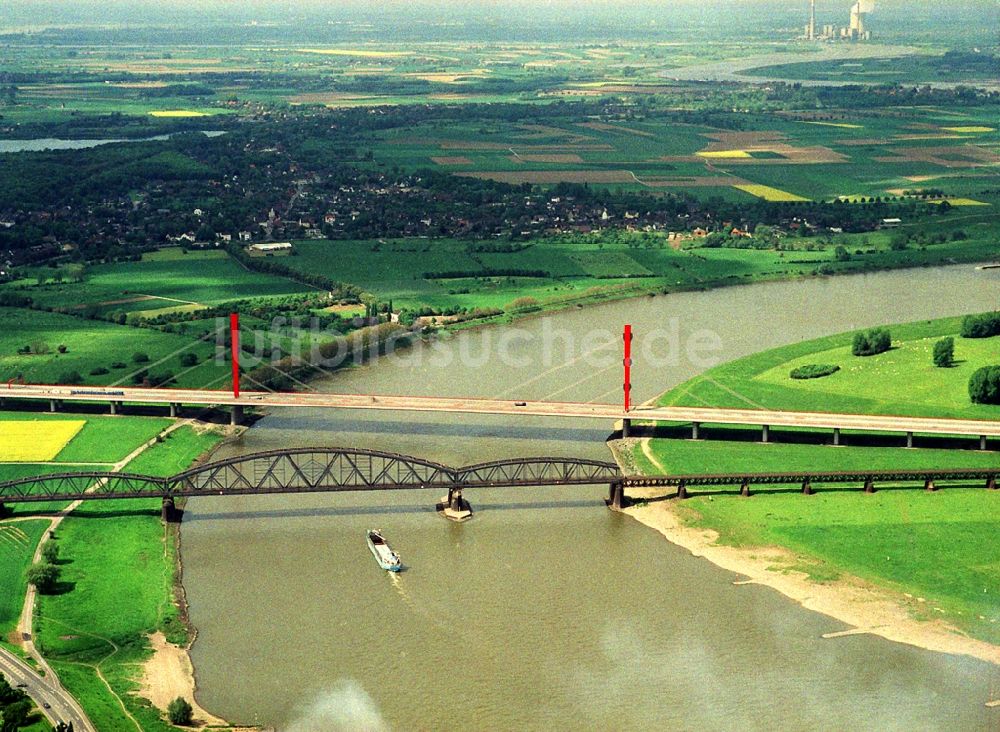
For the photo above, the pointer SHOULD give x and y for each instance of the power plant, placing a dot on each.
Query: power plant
(854, 31)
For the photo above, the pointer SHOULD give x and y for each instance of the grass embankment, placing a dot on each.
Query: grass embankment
(928, 545)
(118, 579)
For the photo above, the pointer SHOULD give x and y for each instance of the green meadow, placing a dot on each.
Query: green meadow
(893, 538)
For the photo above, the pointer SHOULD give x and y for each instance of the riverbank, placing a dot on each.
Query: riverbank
(865, 607)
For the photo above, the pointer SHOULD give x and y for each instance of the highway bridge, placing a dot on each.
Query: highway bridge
(314, 470)
(57, 396)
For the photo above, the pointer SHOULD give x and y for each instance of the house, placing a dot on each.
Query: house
(891, 223)
(245, 236)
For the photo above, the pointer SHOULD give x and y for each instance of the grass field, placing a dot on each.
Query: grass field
(893, 538)
(17, 545)
(100, 439)
(30, 441)
(118, 571)
(900, 381)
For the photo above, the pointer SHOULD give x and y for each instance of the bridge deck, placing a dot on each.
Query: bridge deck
(458, 405)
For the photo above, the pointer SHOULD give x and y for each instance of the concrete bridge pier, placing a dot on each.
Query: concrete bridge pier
(168, 511)
(909, 439)
(696, 430)
(929, 485)
(682, 491)
(54, 405)
(745, 489)
(807, 489)
(836, 436)
(616, 496)
(175, 409)
(454, 507)
(236, 416)
(115, 408)
(765, 433)
(869, 485)
(626, 427)
(982, 442)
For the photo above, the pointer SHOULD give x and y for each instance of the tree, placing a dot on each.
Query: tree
(842, 254)
(984, 385)
(70, 377)
(189, 359)
(868, 343)
(944, 353)
(43, 576)
(15, 715)
(981, 326)
(179, 711)
(140, 357)
(50, 551)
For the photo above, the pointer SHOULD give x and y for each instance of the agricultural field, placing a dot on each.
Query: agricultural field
(784, 157)
(93, 345)
(956, 67)
(28, 442)
(165, 280)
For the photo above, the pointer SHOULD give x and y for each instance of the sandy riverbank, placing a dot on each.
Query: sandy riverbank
(168, 674)
(867, 608)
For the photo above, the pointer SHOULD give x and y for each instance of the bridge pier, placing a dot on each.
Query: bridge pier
(982, 442)
(4, 511)
(765, 433)
(626, 427)
(168, 511)
(54, 405)
(115, 407)
(869, 485)
(236, 416)
(836, 436)
(745, 489)
(453, 507)
(616, 496)
(929, 485)
(174, 409)
(682, 491)
(807, 489)
(695, 430)
(909, 439)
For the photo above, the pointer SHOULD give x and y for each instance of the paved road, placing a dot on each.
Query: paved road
(460, 405)
(62, 707)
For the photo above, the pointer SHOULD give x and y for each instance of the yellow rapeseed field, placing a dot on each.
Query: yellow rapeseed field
(960, 202)
(768, 193)
(724, 154)
(845, 125)
(25, 441)
(178, 113)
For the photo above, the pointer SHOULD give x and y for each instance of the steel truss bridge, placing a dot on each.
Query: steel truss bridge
(314, 470)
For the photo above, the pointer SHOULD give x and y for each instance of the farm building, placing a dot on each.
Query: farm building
(271, 247)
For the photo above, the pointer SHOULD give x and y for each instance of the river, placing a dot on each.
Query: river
(39, 144)
(547, 611)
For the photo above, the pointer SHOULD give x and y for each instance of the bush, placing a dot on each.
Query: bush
(981, 326)
(61, 348)
(118, 365)
(814, 371)
(50, 551)
(140, 357)
(984, 385)
(99, 371)
(189, 359)
(179, 711)
(944, 352)
(868, 343)
(70, 377)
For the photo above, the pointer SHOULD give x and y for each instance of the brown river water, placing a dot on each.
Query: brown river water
(547, 611)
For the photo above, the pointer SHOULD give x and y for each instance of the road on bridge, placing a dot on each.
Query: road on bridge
(460, 405)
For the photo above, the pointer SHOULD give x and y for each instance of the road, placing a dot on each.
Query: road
(461, 405)
(62, 707)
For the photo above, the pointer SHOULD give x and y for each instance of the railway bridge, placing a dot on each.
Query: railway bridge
(317, 470)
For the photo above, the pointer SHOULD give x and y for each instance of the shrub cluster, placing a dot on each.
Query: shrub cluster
(868, 343)
(981, 326)
(984, 385)
(814, 371)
